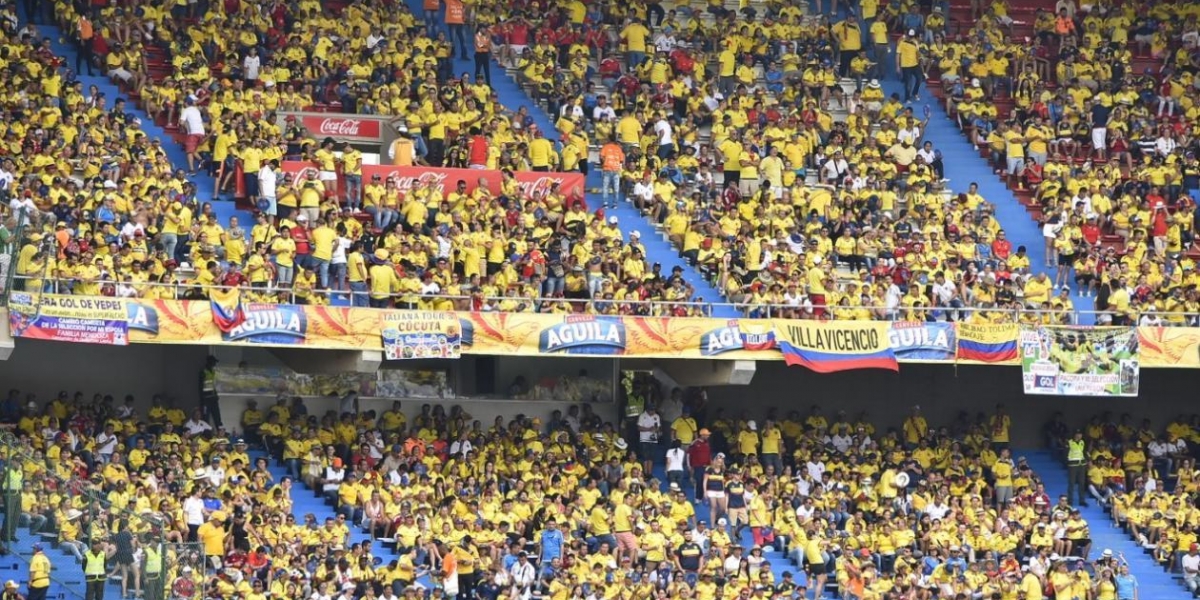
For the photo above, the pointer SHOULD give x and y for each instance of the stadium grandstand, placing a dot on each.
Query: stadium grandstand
(990, 162)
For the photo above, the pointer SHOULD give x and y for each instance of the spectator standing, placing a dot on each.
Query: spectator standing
(1077, 468)
(699, 457)
(908, 64)
(39, 574)
(676, 463)
(208, 391)
(612, 161)
(649, 426)
(192, 122)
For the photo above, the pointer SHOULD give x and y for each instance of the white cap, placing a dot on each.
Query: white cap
(634, 233)
(110, 184)
(302, 217)
(1107, 552)
(752, 425)
(613, 219)
(912, 32)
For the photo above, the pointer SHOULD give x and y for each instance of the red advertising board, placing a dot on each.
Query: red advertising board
(358, 129)
(571, 185)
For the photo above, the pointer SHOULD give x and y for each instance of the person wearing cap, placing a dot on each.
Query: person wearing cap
(94, 571)
(39, 574)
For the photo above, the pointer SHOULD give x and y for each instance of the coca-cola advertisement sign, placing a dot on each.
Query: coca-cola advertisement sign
(532, 184)
(352, 128)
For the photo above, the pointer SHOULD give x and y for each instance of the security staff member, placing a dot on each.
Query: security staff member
(208, 392)
(94, 570)
(39, 574)
(153, 585)
(1077, 468)
(14, 481)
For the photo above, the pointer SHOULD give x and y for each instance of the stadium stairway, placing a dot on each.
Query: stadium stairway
(66, 575)
(658, 249)
(964, 165)
(1153, 581)
(205, 184)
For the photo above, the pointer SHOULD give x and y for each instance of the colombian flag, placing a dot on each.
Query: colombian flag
(831, 346)
(988, 343)
(227, 311)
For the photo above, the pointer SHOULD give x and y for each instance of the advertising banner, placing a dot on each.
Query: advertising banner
(1169, 347)
(533, 184)
(415, 334)
(830, 346)
(356, 129)
(920, 341)
(823, 346)
(988, 343)
(79, 319)
(1080, 361)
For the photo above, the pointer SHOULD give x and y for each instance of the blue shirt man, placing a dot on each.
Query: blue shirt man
(552, 542)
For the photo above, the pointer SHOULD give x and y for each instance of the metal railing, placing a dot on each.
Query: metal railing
(541, 304)
(9, 249)
(85, 514)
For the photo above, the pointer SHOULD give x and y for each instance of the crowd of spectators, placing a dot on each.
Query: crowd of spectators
(766, 152)
(795, 192)
(109, 216)
(570, 506)
(1147, 479)
(1091, 122)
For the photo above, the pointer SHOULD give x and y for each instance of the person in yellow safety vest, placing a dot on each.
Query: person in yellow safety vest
(39, 574)
(1077, 468)
(14, 482)
(94, 570)
(152, 571)
(208, 392)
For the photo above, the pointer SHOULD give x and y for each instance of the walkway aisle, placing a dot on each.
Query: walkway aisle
(204, 183)
(963, 165)
(658, 249)
(1153, 582)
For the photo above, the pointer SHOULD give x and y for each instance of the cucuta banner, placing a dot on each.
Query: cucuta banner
(79, 319)
(830, 346)
(416, 334)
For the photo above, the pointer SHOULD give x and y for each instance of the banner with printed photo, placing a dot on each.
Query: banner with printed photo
(1080, 361)
(919, 341)
(830, 346)
(988, 343)
(78, 319)
(416, 334)
(1177, 347)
